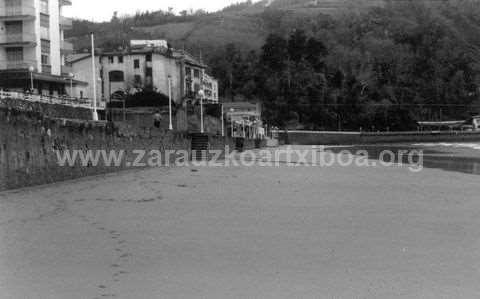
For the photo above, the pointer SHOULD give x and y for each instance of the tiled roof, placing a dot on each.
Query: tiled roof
(176, 54)
(76, 57)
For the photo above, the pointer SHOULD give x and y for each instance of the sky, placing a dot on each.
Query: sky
(102, 10)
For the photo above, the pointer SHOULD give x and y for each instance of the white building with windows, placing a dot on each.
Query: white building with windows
(143, 68)
(210, 86)
(32, 46)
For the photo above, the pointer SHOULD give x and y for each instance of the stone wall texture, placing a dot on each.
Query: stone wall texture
(47, 110)
(32, 134)
(29, 142)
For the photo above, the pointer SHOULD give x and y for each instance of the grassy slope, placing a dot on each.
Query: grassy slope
(245, 27)
(216, 30)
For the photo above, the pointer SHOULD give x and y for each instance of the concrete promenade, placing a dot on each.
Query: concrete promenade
(244, 232)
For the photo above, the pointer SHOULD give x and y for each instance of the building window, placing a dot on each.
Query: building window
(14, 28)
(44, 6)
(188, 71)
(14, 54)
(148, 57)
(120, 59)
(110, 59)
(149, 72)
(196, 73)
(116, 76)
(45, 48)
(11, 5)
(44, 20)
(136, 63)
(45, 45)
(137, 80)
(45, 59)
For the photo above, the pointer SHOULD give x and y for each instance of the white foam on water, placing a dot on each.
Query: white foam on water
(475, 146)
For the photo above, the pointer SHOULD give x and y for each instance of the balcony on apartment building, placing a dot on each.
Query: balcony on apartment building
(65, 2)
(46, 69)
(66, 23)
(18, 40)
(17, 65)
(66, 47)
(24, 11)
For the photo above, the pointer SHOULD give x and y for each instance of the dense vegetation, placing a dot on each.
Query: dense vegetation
(379, 69)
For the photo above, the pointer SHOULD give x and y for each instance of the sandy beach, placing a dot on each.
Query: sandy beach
(245, 232)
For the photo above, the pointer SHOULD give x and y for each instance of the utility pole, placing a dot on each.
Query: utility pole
(201, 93)
(223, 121)
(94, 77)
(170, 126)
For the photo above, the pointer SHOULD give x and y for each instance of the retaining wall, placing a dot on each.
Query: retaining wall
(47, 110)
(29, 141)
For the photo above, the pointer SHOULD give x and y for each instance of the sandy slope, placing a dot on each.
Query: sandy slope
(287, 232)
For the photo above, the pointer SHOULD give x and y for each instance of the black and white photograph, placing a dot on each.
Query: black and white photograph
(240, 149)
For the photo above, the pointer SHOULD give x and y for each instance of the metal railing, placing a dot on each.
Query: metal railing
(10, 38)
(46, 69)
(59, 100)
(27, 9)
(65, 2)
(14, 65)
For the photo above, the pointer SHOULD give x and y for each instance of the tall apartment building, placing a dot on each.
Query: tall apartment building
(32, 45)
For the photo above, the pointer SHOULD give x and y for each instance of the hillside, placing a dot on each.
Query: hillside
(246, 24)
(327, 64)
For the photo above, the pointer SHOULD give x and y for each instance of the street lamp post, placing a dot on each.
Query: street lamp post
(223, 121)
(71, 76)
(170, 126)
(231, 119)
(201, 93)
(243, 128)
(94, 76)
(31, 69)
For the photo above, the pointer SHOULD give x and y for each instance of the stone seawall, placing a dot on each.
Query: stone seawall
(29, 141)
(46, 109)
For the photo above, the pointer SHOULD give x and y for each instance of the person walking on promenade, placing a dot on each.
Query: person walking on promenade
(157, 118)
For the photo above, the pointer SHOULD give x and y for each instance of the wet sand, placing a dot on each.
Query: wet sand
(457, 157)
(245, 232)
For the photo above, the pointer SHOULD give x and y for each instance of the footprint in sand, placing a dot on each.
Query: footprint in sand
(107, 199)
(116, 275)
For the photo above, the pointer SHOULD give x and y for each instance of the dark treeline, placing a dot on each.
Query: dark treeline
(382, 70)
(377, 69)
